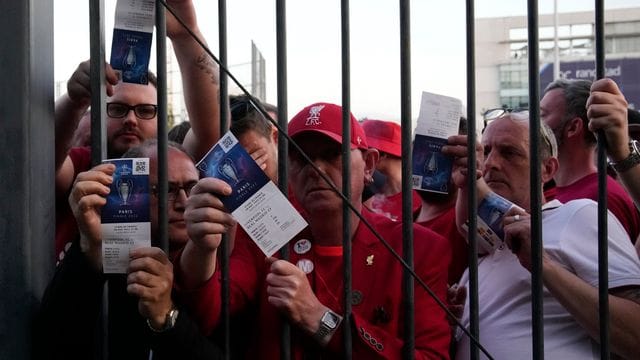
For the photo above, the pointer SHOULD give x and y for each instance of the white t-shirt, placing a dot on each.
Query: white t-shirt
(570, 237)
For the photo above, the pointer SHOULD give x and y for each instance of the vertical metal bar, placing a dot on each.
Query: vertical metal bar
(224, 115)
(603, 261)
(534, 180)
(254, 72)
(98, 114)
(163, 186)
(98, 83)
(556, 48)
(408, 348)
(27, 211)
(346, 173)
(471, 164)
(283, 146)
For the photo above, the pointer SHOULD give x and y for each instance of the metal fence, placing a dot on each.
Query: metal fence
(26, 226)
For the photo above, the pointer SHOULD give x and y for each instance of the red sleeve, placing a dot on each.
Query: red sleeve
(432, 259)
(81, 159)
(246, 265)
(621, 205)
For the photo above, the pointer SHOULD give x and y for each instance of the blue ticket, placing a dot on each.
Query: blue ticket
(255, 201)
(132, 34)
(125, 217)
(491, 211)
(431, 168)
(439, 118)
(130, 52)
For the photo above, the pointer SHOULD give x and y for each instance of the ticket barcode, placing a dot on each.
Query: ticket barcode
(140, 166)
(228, 141)
(417, 181)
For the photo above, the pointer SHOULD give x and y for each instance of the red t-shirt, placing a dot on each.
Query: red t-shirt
(618, 201)
(66, 226)
(377, 293)
(445, 225)
(391, 206)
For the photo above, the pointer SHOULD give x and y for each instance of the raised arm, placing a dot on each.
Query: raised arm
(457, 148)
(607, 111)
(200, 80)
(69, 109)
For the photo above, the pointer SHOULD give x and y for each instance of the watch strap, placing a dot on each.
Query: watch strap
(324, 332)
(169, 322)
(630, 161)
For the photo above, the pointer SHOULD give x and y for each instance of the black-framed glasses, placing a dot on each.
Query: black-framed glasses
(142, 111)
(174, 189)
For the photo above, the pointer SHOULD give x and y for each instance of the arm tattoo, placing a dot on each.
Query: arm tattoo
(205, 63)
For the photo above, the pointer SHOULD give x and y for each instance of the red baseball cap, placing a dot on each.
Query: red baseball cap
(326, 119)
(384, 136)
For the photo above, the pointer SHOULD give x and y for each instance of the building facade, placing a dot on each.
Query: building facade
(502, 50)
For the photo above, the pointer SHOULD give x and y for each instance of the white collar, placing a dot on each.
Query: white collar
(552, 204)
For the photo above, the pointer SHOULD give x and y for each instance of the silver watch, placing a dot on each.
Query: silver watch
(632, 160)
(169, 321)
(328, 325)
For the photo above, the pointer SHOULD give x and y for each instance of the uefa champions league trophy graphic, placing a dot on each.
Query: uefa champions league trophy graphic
(228, 170)
(494, 216)
(125, 188)
(431, 166)
(129, 61)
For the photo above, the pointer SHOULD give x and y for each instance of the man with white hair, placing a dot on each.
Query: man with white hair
(569, 260)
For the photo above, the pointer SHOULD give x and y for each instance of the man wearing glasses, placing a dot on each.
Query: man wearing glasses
(142, 313)
(132, 113)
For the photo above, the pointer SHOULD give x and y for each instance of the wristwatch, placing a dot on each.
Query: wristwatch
(169, 321)
(632, 160)
(328, 325)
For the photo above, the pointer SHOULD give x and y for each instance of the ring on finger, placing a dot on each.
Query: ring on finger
(516, 217)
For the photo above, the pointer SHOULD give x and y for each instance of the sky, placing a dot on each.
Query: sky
(438, 45)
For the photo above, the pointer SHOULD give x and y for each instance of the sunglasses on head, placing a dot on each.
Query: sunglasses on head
(492, 114)
(521, 114)
(242, 106)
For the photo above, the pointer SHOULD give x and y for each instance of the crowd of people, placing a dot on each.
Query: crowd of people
(169, 305)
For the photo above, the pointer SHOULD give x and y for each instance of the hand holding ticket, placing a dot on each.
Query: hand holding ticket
(439, 118)
(491, 212)
(125, 217)
(255, 202)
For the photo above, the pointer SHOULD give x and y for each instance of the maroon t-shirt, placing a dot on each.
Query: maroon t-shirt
(445, 225)
(618, 201)
(66, 226)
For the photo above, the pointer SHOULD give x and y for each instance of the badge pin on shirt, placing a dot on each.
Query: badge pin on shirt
(305, 265)
(302, 246)
(370, 260)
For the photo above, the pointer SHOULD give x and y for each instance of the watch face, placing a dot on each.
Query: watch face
(172, 316)
(330, 320)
